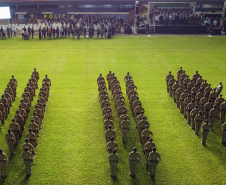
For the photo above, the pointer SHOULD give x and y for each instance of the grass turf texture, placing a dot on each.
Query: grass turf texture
(72, 147)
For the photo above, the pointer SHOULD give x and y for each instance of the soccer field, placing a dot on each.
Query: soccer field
(72, 148)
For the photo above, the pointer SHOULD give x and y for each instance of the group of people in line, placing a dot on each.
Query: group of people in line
(198, 102)
(16, 128)
(87, 26)
(152, 157)
(7, 100)
(108, 119)
(176, 17)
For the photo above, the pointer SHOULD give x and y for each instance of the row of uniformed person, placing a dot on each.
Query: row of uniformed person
(36, 121)
(152, 157)
(197, 101)
(124, 120)
(120, 106)
(5, 103)
(17, 126)
(110, 133)
(108, 119)
(7, 99)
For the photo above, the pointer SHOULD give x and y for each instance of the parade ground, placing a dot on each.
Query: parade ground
(71, 147)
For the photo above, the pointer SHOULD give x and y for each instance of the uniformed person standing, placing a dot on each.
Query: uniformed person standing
(198, 96)
(198, 121)
(148, 147)
(32, 138)
(111, 145)
(127, 77)
(223, 141)
(145, 135)
(113, 161)
(3, 164)
(153, 159)
(194, 113)
(182, 98)
(206, 108)
(170, 85)
(219, 88)
(28, 161)
(213, 115)
(29, 146)
(11, 141)
(15, 129)
(109, 133)
(218, 101)
(213, 95)
(174, 88)
(168, 77)
(189, 108)
(142, 125)
(223, 111)
(205, 130)
(134, 158)
(125, 127)
(108, 122)
(196, 76)
(178, 92)
(179, 72)
(35, 74)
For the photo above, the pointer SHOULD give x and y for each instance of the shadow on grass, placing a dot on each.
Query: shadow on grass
(213, 143)
(2, 180)
(26, 179)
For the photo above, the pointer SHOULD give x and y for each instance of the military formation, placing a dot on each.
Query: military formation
(16, 128)
(7, 100)
(198, 102)
(125, 123)
(152, 157)
(34, 127)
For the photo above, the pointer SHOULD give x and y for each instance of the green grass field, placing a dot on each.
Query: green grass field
(72, 147)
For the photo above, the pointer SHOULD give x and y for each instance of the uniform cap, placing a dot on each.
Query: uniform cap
(134, 149)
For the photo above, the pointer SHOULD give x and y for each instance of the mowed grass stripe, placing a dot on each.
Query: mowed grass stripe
(72, 147)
